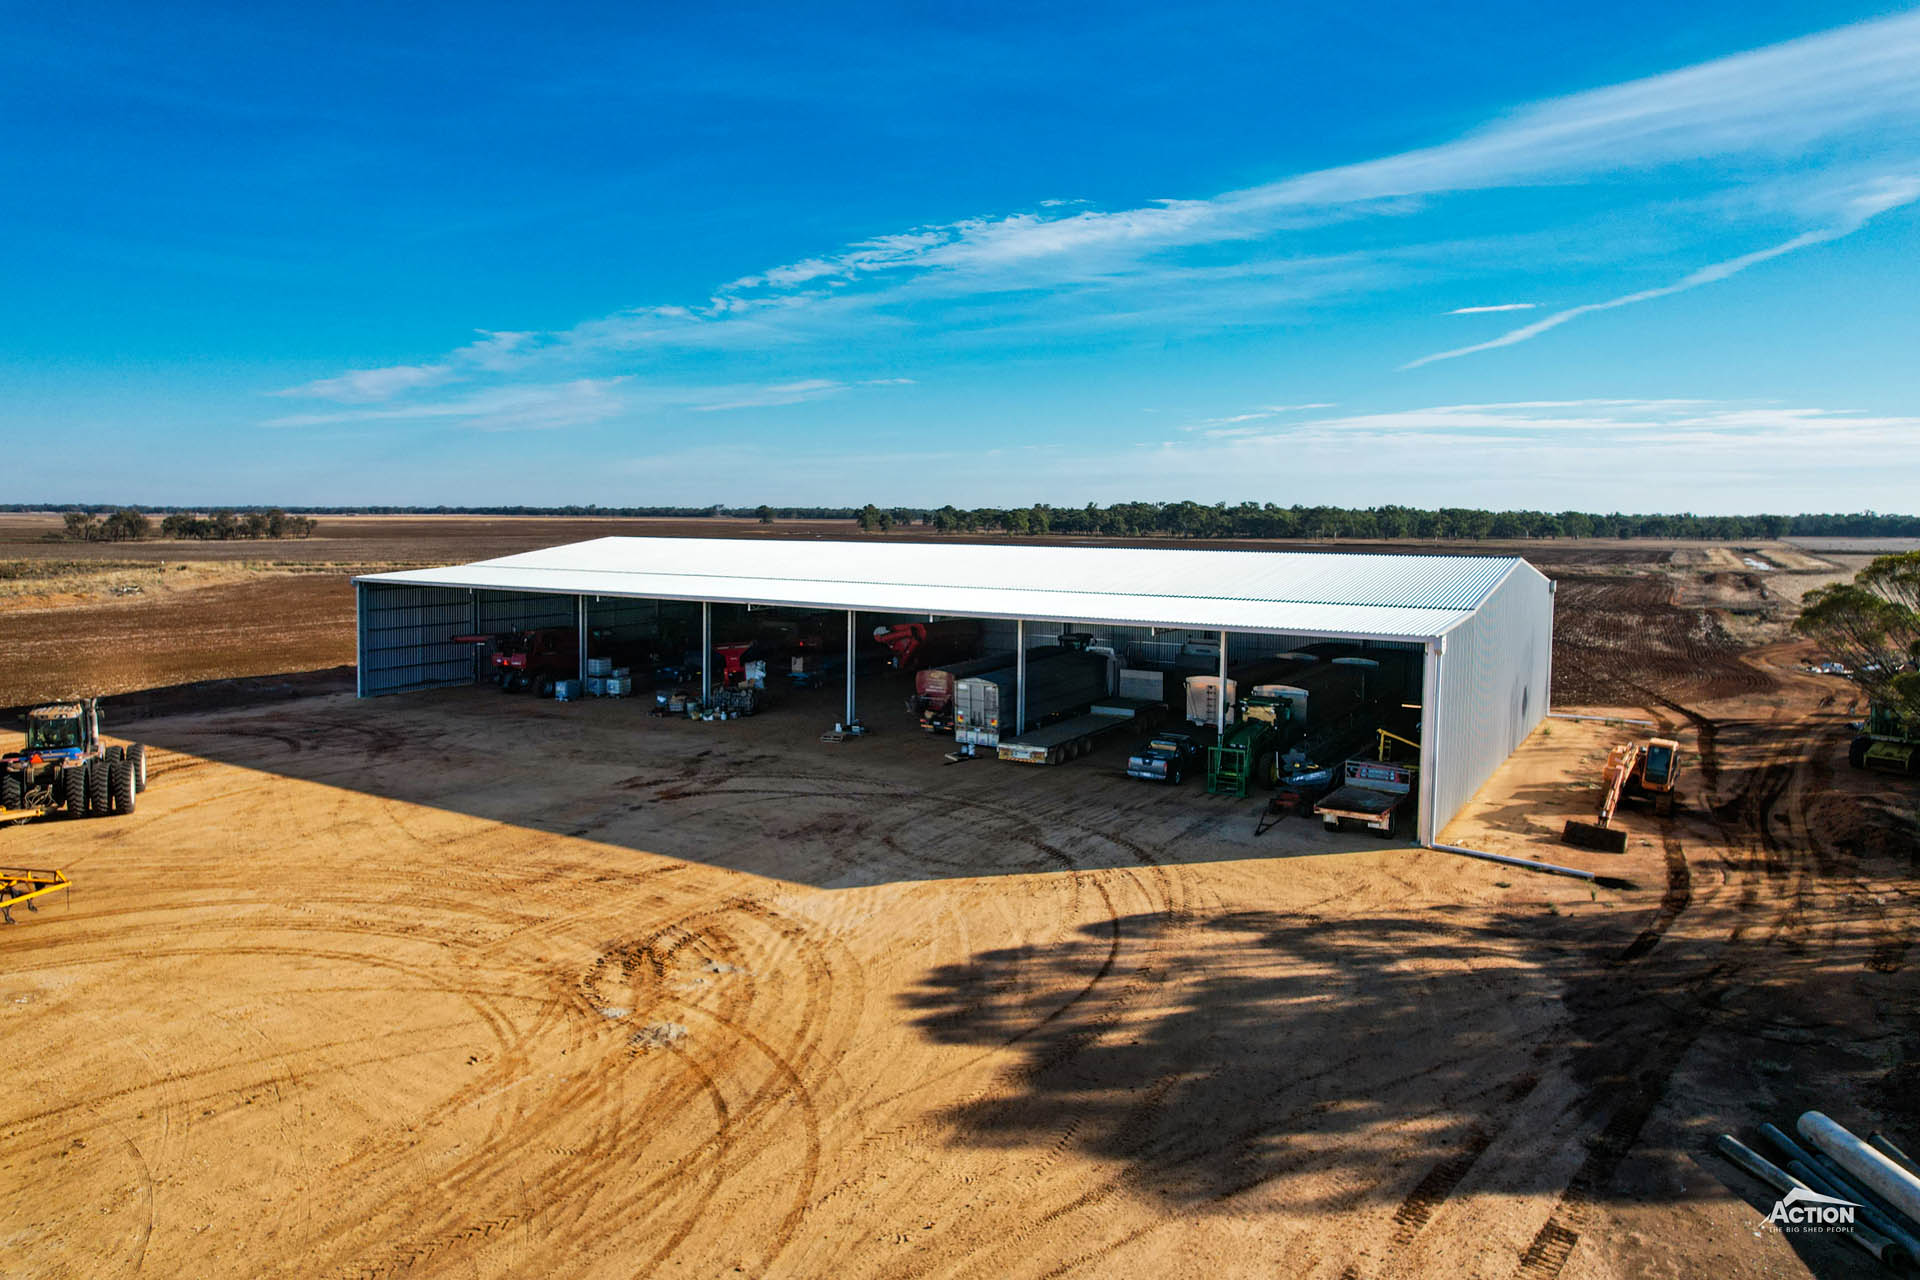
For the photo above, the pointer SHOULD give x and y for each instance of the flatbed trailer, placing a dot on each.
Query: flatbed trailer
(1057, 743)
(1373, 794)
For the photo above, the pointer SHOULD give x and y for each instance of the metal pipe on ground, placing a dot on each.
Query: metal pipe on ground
(1824, 1181)
(1780, 1180)
(1830, 1171)
(1872, 1168)
(1568, 715)
(1528, 864)
(1884, 1145)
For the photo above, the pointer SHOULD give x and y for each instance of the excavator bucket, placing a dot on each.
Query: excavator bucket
(1596, 837)
(1591, 835)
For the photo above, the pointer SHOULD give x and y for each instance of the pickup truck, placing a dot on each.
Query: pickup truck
(1373, 794)
(1164, 758)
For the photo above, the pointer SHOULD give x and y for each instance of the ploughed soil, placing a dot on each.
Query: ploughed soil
(110, 618)
(466, 984)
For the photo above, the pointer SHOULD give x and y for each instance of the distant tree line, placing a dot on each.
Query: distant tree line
(1257, 520)
(124, 525)
(1126, 519)
(130, 524)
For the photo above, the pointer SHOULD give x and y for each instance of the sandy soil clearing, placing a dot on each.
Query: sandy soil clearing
(470, 985)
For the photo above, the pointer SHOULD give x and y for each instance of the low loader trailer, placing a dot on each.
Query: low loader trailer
(1065, 684)
(935, 689)
(1068, 739)
(1374, 793)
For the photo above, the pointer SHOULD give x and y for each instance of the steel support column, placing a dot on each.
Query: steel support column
(580, 630)
(849, 721)
(1220, 707)
(706, 653)
(1019, 677)
(360, 639)
(1429, 731)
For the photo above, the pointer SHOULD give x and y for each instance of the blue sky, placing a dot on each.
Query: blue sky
(1620, 257)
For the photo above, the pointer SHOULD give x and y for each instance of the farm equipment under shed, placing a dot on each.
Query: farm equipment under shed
(917, 645)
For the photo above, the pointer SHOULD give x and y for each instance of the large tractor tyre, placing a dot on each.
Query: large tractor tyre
(115, 753)
(73, 791)
(120, 783)
(1857, 751)
(99, 788)
(13, 792)
(137, 765)
(543, 687)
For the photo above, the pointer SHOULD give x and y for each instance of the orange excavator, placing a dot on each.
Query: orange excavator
(1631, 771)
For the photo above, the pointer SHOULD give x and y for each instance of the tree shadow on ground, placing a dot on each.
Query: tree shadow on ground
(1386, 1053)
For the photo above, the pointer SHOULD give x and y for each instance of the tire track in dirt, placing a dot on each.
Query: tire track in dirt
(1744, 819)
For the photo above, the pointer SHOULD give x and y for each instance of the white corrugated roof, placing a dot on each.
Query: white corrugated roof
(1402, 597)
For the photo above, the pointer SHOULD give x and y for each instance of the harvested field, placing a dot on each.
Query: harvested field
(233, 626)
(1618, 639)
(80, 607)
(361, 991)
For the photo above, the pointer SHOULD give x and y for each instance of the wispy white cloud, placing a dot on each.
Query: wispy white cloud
(580, 402)
(363, 386)
(1546, 454)
(1881, 197)
(1230, 424)
(495, 349)
(783, 393)
(1499, 306)
(1813, 118)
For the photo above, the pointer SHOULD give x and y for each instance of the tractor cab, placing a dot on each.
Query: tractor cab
(61, 729)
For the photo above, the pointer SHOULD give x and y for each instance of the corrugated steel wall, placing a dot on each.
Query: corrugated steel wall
(1491, 692)
(404, 641)
(404, 632)
(1241, 646)
(502, 611)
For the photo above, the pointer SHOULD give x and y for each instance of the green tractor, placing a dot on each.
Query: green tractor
(1250, 751)
(1889, 743)
(64, 768)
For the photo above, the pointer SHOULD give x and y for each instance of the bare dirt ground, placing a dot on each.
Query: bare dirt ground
(467, 985)
(471, 985)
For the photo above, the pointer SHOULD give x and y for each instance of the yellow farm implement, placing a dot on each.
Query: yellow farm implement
(23, 884)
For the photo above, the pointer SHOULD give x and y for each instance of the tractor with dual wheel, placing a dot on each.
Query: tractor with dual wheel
(64, 767)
